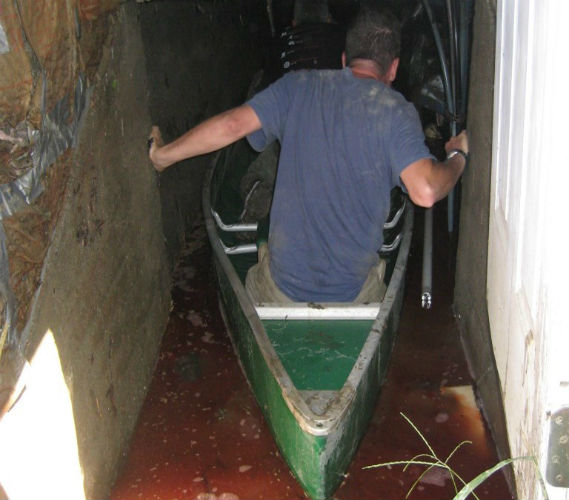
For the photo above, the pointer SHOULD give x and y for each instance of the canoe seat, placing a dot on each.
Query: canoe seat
(321, 311)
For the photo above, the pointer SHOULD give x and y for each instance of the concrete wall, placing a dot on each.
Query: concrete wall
(200, 58)
(470, 303)
(105, 292)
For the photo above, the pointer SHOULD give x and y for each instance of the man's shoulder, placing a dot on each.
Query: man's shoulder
(309, 75)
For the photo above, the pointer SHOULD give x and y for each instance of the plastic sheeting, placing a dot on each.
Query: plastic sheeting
(8, 332)
(4, 45)
(41, 37)
(50, 34)
(91, 9)
(57, 134)
(16, 80)
(44, 88)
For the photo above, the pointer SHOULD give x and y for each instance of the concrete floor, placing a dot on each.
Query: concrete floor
(200, 434)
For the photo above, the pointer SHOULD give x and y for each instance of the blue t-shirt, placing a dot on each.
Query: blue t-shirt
(344, 142)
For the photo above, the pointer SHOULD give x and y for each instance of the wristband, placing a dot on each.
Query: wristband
(453, 152)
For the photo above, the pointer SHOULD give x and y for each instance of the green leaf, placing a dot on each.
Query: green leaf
(478, 480)
(420, 435)
(404, 462)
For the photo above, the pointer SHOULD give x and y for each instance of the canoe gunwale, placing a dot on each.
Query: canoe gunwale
(317, 425)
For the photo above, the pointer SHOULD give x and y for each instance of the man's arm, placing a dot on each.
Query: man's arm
(429, 181)
(210, 135)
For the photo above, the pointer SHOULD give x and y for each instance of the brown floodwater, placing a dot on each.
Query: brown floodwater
(201, 435)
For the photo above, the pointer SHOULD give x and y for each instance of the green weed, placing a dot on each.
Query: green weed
(430, 460)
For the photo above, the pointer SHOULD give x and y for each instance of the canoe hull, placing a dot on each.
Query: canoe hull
(318, 459)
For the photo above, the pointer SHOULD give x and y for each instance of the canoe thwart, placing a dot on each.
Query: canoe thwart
(239, 249)
(391, 246)
(390, 224)
(234, 228)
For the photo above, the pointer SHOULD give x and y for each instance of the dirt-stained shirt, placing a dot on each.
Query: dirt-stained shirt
(344, 142)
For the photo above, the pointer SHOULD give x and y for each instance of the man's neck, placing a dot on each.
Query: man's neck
(362, 68)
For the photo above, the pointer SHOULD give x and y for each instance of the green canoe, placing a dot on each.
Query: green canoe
(315, 369)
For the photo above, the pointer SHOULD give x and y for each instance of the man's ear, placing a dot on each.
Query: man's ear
(343, 59)
(392, 71)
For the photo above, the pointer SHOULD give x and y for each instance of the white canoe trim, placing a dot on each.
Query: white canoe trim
(307, 311)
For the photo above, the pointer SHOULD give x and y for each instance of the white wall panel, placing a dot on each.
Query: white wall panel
(527, 268)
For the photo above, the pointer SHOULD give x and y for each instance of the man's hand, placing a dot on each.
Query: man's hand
(213, 134)
(155, 142)
(459, 141)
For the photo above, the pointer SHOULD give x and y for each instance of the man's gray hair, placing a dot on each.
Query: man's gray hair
(375, 34)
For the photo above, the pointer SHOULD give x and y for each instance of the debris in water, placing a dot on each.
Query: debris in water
(441, 417)
(196, 319)
(208, 338)
(188, 367)
(213, 496)
(436, 476)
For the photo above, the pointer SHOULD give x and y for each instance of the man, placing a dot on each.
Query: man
(346, 140)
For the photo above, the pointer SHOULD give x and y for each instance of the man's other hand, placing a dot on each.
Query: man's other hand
(155, 142)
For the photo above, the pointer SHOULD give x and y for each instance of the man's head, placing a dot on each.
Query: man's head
(374, 34)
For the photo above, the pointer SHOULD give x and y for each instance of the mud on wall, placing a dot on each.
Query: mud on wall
(103, 290)
(90, 250)
(470, 304)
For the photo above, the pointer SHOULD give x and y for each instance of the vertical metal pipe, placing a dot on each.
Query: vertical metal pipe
(450, 198)
(465, 13)
(427, 277)
(454, 85)
(271, 17)
(442, 58)
(450, 211)
(453, 49)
